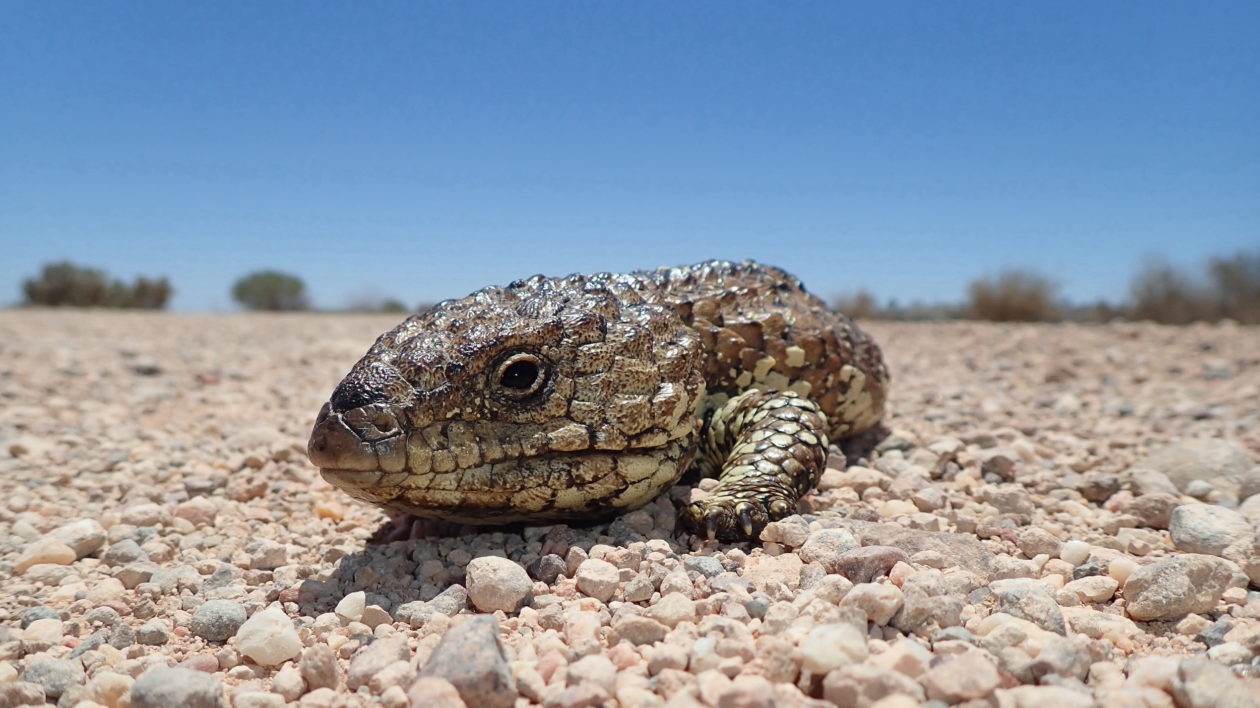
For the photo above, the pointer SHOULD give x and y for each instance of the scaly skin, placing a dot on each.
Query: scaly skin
(586, 396)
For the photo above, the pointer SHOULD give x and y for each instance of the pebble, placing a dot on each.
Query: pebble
(434, 692)
(1207, 528)
(268, 637)
(598, 579)
(318, 667)
(44, 551)
(863, 565)
(1075, 552)
(965, 677)
(830, 646)
(1201, 683)
(879, 602)
(164, 687)
(85, 536)
(351, 606)
(825, 547)
(496, 583)
(638, 629)
(55, 676)
(672, 609)
(373, 659)
(1093, 589)
(217, 620)
(1029, 600)
(865, 685)
(1176, 586)
(470, 657)
(1220, 463)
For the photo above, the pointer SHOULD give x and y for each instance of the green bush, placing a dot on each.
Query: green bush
(64, 284)
(1013, 296)
(270, 290)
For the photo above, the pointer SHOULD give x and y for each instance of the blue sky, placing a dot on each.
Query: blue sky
(423, 150)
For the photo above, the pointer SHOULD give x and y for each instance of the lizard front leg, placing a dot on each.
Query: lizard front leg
(772, 448)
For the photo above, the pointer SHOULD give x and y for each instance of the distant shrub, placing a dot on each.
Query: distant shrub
(1013, 296)
(860, 305)
(1164, 293)
(1236, 285)
(270, 290)
(64, 284)
(368, 304)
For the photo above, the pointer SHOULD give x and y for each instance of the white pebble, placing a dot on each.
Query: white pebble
(351, 606)
(1075, 552)
(1121, 568)
(830, 646)
(269, 637)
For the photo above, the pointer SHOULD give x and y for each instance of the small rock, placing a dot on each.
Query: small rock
(1030, 600)
(372, 659)
(42, 551)
(638, 629)
(55, 676)
(496, 583)
(85, 536)
(1153, 511)
(216, 620)
(470, 657)
(1220, 463)
(830, 646)
(318, 667)
(164, 687)
(863, 685)
(1075, 552)
(269, 637)
(825, 546)
(878, 601)
(672, 609)
(1176, 586)
(1096, 588)
(598, 579)
(1207, 528)
(434, 692)
(968, 676)
(547, 568)
(868, 563)
(352, 605)
(1201, 683)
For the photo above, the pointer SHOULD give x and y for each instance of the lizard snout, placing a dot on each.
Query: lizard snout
(351, 440)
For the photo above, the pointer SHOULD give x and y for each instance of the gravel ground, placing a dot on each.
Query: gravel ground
(1062, 515)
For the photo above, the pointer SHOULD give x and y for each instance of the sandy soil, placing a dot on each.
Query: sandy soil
(1059, 507)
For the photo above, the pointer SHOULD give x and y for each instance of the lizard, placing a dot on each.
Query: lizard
(582, 397)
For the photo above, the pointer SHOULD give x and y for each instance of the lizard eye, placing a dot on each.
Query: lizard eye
(521, 375)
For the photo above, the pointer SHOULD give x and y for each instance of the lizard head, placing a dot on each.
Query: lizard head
(547, 399)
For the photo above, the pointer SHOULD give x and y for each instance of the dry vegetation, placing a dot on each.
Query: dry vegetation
(1228, 288)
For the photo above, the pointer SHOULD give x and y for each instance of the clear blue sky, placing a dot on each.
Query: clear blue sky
(422, 150)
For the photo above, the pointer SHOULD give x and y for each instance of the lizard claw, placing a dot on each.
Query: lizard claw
(744, 511)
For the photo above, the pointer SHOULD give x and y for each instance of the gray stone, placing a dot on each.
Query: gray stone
(38, 612)
(216, 620)
(547, 568)
(373, 658)
(164, 687)
(707, 566)
(496, 583)
(863, 565)
(1201, 683)
(470, 656)
(1176, 586)
(1030, 600)
(1206, 528)
(55, 676)
(1218, 462)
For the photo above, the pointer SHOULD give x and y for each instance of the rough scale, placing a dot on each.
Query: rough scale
(582, 397)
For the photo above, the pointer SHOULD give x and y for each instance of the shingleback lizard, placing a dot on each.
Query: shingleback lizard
(582, 397)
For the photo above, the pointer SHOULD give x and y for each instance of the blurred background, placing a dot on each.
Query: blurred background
(911, 160)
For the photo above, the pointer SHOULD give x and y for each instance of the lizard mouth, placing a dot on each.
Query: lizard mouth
(363, 439)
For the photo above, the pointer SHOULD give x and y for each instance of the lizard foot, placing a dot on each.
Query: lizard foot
(729, 518)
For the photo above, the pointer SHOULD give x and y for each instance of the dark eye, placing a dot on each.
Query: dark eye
(521, 375)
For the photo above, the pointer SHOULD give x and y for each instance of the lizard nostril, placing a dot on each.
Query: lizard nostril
(384, 422)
